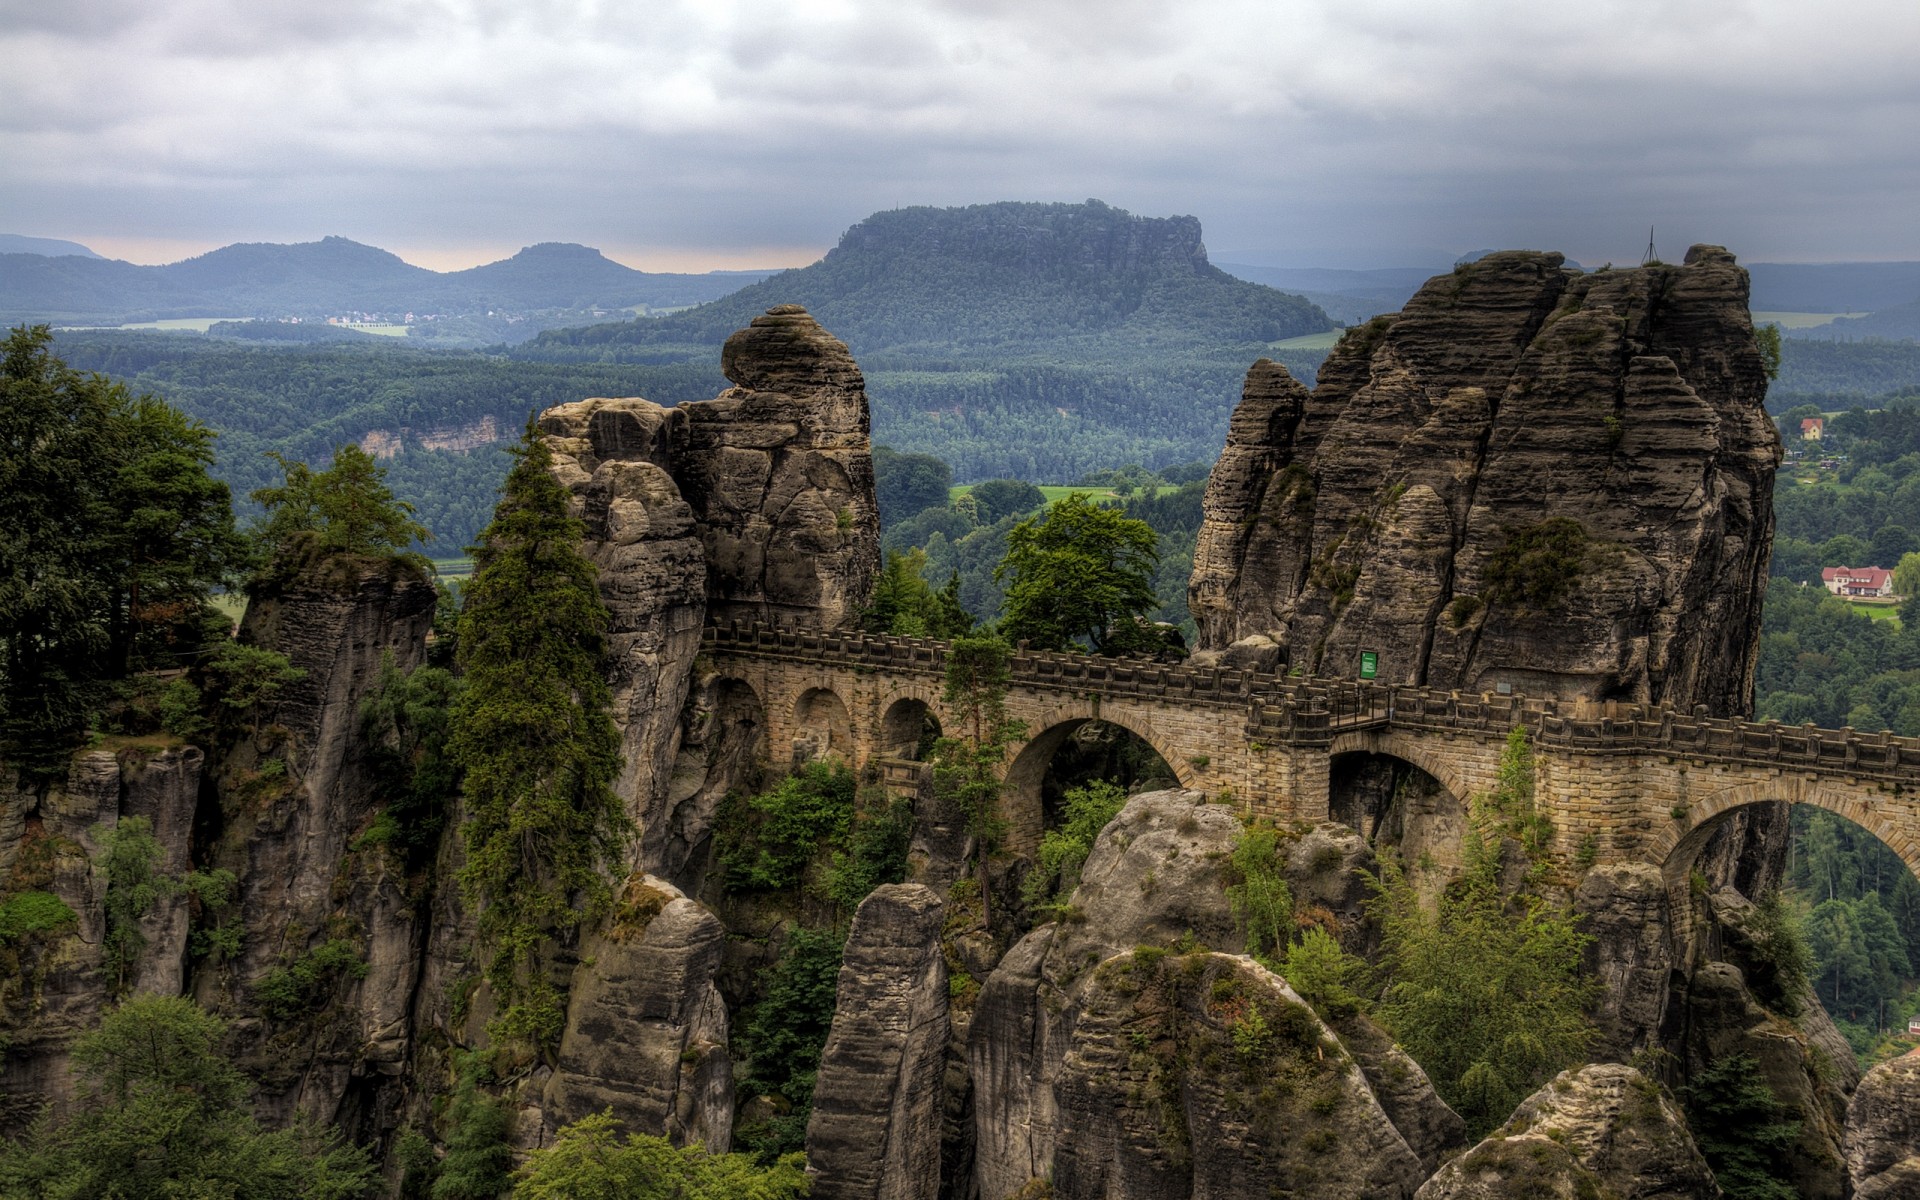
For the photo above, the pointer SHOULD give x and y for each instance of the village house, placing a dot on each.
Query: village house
(1867, 582)
(1810, 428)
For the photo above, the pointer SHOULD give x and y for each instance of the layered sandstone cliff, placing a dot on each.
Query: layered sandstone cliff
(1530, 477)
(755, 505)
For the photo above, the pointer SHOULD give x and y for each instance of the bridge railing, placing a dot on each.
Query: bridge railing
(1297, 711)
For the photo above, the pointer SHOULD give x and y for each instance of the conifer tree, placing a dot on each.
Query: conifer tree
(533, 735)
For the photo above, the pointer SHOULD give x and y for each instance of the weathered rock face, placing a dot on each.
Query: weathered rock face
(779, 471)
(56, 985)
(646, 1031)
(1205, 1075)
(1388, 508)
(290, 832)
(1603, 1130)
(755, 505)
(1052, 1018)
(616, 457)
(1883, 1130)
(875, 1129)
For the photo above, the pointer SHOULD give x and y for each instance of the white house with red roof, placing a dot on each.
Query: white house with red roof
(1869, 582)
(1811, 427)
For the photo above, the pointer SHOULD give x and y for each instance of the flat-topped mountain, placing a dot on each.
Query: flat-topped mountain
(996, 276)
(333, 275)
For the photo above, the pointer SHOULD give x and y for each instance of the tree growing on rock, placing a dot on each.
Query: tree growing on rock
(533, 734)
(345, 509)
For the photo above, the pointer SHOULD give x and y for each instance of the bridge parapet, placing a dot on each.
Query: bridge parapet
(1305, 712)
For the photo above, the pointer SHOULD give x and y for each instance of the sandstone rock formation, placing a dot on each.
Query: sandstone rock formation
(1205, 1075)
(1603, 1130)
(1530, 477)
(299, 793)
(875, 1129)
(756, 505)
(616, 456)
(1883, 1131)
(1061, 1013)
(646, 1031)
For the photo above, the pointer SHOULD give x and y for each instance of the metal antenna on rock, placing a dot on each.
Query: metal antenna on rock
(1652, 254)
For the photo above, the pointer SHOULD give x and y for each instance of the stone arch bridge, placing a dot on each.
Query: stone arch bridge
(1621, 783)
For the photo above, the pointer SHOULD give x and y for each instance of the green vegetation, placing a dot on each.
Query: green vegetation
(306, 981)
(905, 605)
(785, 1035)
(162, 1115)
(345, 509)
(967, 761)
(1741, 1129)
(589, 1161)
(26, 915)
(1083, 575)
(479, 1128)
(770, 844)
(1063, 850)
(1486, 992)
(128, 855)
(115, 539)
(407, 719)
(539, 751)
(1535, 566)
(1262, 903)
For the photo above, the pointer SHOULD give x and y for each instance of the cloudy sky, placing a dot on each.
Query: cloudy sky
(689, 134)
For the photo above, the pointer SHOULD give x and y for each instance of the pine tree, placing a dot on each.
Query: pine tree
(533, 735)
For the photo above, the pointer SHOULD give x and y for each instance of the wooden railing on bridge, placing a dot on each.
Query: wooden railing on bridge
(1307, 712)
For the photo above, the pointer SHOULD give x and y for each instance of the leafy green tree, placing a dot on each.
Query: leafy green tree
(589, 1161)
(1324, 974)
(1261, 901)
(906, 484)
(1741, 1129)
(113, 535)
(345, 509)
(1488, 997)
(1861, 957)
(967, 762)
(407, 719)
(786, 1034)
(1080, 573)
(1906, 575)
(163, 1115)
(904, 605)
(1064, 850)
(768, 846)
(998, 498)
(479, 1159)
(128, 855)
(538, 747)
(249, 678)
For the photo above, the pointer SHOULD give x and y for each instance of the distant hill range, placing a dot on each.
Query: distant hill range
(1005, 279)
(13, 243)
(329, 277)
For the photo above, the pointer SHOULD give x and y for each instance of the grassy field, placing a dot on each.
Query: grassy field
(1791, 320)
(1311, 341)
(195, 324)
(1879, 612)
(451, 569)
(1054, 492)
(381, 330)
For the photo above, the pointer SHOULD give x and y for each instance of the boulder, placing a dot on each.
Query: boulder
(646, 1031)
(1883, 1130)
(1598, 1130)
(1205, 1075)
(875, 1132)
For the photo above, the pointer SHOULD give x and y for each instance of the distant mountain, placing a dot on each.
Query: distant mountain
(1350, 297)
(995, 277)
(1901, 322)
(1037, 341)
(335, 276)
(13, 243)
(1833, 287)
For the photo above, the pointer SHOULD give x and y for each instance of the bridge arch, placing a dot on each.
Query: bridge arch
(1023, 802)
(908, 728)
(1398, 792)
(1675, 848)
(822, 725)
